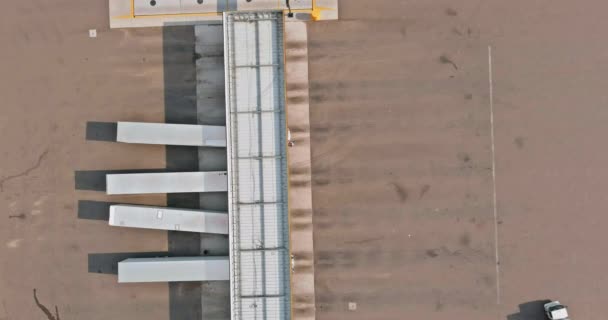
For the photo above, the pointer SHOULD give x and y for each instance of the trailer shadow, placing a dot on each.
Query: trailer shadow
(107, 263)
(101, 131)
(532, 310)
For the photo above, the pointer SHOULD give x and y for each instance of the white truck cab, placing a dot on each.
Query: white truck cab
(556, 311)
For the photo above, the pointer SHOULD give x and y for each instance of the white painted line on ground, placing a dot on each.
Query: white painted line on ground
(491, 88)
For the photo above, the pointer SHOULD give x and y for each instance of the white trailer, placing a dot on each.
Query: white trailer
(171, 134)
(168, 269)
(166, 182)
(162, 218)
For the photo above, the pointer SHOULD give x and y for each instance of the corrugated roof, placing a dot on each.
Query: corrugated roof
(257, 165)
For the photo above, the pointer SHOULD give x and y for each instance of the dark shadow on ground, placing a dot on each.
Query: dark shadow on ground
(214, 201)
(185, 300)
(212, 159)
(215, 297)
(179, 74)
(180, 158)
(94, 210)
(101, 131)
(214, 245)
(184, 243)
(180, 107)
(532, 310)
(95, 180)
(107, 263)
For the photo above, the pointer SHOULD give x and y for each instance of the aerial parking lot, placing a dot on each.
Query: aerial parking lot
(402, 148)
(458, 168)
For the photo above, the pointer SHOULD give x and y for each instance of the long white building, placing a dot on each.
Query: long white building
(257, 166)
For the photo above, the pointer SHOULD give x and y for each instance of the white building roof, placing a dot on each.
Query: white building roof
(257, 166)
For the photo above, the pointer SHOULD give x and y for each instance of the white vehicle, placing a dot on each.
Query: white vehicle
(556, 311)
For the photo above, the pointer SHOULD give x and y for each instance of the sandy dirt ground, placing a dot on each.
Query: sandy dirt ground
(54, 79)
(402, 161)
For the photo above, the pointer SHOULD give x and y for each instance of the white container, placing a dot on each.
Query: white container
(163, 218)
(171, 134)
(166, 182)
(173, 269)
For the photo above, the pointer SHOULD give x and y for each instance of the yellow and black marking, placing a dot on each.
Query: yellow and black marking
(315, 12)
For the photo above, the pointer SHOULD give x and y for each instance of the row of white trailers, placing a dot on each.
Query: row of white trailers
(168, 269)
